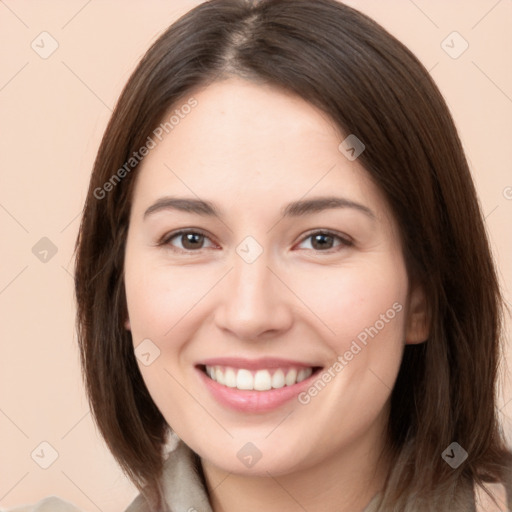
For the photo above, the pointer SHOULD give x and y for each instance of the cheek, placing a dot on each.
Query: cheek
(158, 297)
(345, 303)
(365, 310)
(358, 303)
(158, 300)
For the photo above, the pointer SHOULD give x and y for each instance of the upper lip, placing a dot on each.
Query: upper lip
(255, 364)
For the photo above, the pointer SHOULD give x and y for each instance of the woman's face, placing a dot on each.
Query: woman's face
(237, 268)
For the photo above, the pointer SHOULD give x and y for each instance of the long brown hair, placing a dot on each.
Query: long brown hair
(371, 85)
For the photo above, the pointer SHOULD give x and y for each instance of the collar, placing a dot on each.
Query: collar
(184, 490)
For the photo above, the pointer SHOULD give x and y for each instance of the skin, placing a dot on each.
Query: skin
(251, 149)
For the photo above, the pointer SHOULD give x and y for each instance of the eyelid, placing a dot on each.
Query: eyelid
(346, 241)
(167, 237)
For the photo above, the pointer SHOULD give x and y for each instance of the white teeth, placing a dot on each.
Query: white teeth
(230, 378)
(304, 373)
(278, 379)
(261, 380)
(291, 377)
(219, 376)
(244, 380)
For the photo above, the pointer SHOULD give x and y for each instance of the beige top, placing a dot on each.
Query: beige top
(184, 491)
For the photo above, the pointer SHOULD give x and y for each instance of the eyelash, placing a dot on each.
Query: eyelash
(344, 240)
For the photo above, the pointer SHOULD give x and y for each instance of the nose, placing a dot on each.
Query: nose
(254, 301)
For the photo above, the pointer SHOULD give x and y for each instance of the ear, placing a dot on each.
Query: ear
(127, 325)
(417, 324)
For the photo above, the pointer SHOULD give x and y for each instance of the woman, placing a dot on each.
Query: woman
(286, 298)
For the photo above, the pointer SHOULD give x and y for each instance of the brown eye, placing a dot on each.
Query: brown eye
(187, 240)
(322, 241)
(192, 240)
(325, 241)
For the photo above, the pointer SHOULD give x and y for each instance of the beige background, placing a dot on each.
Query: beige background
(53, 112)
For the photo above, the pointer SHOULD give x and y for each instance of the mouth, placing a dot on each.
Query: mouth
(255, 386)
(265, 379)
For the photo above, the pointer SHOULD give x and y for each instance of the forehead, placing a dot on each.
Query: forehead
(251, 143)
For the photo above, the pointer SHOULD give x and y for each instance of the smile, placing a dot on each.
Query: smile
(255, 385)
(260, 380)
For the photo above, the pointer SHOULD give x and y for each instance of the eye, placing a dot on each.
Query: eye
(189, 240)
(322, 241)
(193, 241)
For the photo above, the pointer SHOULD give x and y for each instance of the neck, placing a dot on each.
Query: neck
(346, 481)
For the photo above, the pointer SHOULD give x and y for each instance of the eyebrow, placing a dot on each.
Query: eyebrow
(294, 209)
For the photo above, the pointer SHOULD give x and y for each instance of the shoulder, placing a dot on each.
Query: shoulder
(498, 502)
(55, 504)
(49, 504)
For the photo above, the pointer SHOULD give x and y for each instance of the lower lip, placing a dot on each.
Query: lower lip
(254, 401)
